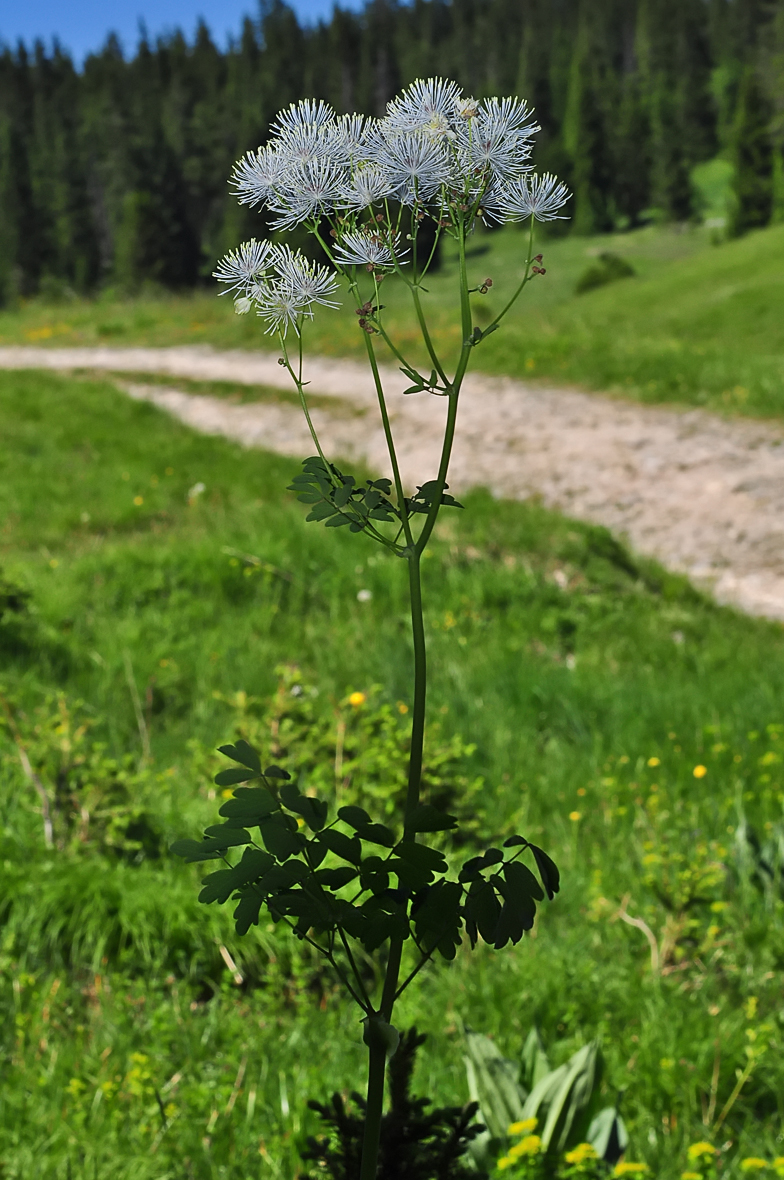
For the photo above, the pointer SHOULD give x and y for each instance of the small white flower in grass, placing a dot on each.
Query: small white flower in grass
(243, 267)
(364, 595)
(363, 247)
(541, 196)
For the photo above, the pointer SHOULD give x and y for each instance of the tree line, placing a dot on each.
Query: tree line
(117, 173)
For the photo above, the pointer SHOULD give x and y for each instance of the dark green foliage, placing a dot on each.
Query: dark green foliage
(118, 173)
(415, 1144)
(606, 269)
(753, 157)
(299, 878)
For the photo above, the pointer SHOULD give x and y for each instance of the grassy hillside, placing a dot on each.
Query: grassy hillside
(596, 702)
(699, 323)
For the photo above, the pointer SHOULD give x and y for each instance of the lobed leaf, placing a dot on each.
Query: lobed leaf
(313, 811)
(244, 753)
(247, 912)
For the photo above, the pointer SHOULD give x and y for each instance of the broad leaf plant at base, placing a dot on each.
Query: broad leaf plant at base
(347, 884)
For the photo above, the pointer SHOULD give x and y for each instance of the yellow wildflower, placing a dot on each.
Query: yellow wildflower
(753, 1164)
(778, 1164)
(356, 699)
(691, 1176)
(531, 1145)
(575, 816)
(700, 771)
(523, 1128)
(581, 1153)
(700, 1150)
(654, 761)
(630, 1169)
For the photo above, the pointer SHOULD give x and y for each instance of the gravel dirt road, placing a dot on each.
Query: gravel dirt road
(702, 494)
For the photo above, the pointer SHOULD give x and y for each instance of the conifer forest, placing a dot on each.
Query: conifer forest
(116, 173)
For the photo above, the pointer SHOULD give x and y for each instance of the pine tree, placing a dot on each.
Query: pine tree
(752, 157)
(586, 127)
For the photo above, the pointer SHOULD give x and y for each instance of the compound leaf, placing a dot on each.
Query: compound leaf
(346, 847)
(313, 811)
(243, 753)
(548, 871)
(247, 911)
(195, 850)
(253, 802)
(427, 818)
(279, 839)
(228, 778)
(421, 856)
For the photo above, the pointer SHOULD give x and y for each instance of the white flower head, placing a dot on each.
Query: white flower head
(309, 190)
(434, 146)
(510, 114)
(368, 185)
(307, 281)
(280, 308)
(305, 117)
(428, 105)
(256, 175)
(415, 165)
(363, 247)
(346, 138)
(540, 196)
(467, 108)
(242, 268)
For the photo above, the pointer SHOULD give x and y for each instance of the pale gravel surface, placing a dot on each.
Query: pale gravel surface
(702, 494)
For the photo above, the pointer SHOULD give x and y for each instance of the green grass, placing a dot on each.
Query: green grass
(591, 685)
(700, 324)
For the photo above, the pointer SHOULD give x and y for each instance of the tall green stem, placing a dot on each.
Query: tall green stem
(420, 689)
(377, 1055)
(377, 1063)
(454, 394)
(376, 1049)
(382, 405)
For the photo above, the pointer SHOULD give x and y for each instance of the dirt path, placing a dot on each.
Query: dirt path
(703, 495)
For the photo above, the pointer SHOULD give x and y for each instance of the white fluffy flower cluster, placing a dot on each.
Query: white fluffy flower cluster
(281, 283)
(435, 149)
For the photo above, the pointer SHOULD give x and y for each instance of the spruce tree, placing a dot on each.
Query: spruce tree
(752, 157)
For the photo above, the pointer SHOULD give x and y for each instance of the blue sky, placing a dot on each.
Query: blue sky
(82, 25)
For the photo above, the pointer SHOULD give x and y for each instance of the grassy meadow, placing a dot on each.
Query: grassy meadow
(701, 322)
(588, 699)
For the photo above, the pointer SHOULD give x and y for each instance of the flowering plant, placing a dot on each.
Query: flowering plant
(349, 181)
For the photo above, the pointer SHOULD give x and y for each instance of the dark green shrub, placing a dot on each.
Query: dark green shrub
(607, 269)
